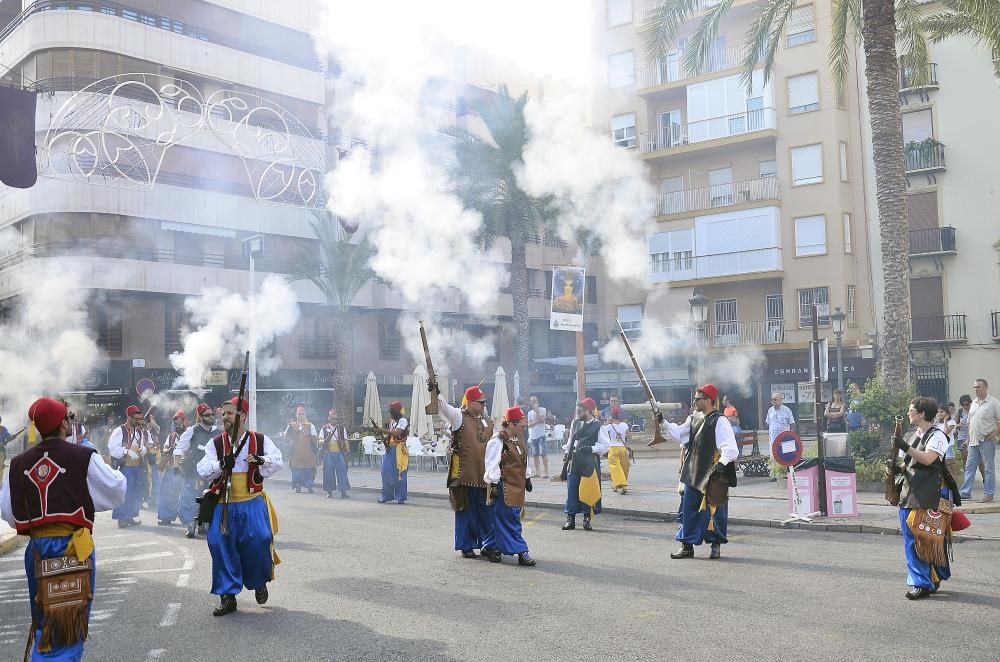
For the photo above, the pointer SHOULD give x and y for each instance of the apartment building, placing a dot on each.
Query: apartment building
(760, 203)
(949, 137)
(149, 227)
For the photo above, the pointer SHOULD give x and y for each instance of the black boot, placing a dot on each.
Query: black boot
(261, 594)
(685, 552)
(468, 554)
(492, 555)
(570, 523)
(716, 551)
(228, 606)
(586, 523)
(525, 559)
(917, 593)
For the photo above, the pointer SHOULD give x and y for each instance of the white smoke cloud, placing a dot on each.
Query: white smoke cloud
(448, 345)
(222, 329)
(598, 187)
(45, 344)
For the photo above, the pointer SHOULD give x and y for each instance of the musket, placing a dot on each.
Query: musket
(653, 404)
(228, 474)
(432, 406)
(13, 437)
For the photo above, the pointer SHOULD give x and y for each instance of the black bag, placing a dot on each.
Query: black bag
(206, 506)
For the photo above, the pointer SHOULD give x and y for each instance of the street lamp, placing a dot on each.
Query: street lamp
(838, 318)
(699, 317)
(253, 247)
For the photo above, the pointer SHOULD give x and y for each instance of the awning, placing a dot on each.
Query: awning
(284, 390)
(198, 229)
(115, 391)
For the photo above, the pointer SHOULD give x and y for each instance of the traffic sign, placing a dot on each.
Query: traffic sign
(144, 387)
(786, 449)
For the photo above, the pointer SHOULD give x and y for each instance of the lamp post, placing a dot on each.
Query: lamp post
(838, 318)
(699, 317)
(253, 247)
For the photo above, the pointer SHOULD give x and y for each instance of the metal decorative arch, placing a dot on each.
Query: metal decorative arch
(118, 130)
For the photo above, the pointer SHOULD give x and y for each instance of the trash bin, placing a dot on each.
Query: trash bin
(835, 444)
(807, 480)
(841, 487)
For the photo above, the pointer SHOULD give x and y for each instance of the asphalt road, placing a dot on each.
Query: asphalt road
(363, 581)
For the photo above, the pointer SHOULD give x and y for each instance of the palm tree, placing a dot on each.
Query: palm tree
(978, 20)
(879, 25)
(485, 178)
(340, 269)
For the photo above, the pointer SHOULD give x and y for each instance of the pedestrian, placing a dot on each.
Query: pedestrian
(854, 417)
(508, 477)
(396, 461)
(190, 450)
(923, 522)
(128, 446)
(728, 410)
(707, 472)
(614, 437)
(962, 433)
(4, 438)
(945, 420)
(168, 500)
(471, 429)
(582, 467)
(835, 412)
(75, 483)
(335, 448)
(779, 418)
(243, 552)
(77, 430)
(537, 438)
(984, 422)
(303, 437)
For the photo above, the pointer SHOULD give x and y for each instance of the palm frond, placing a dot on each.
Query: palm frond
(701, 47)
(762, 38)
(911, 41)
(846, 18)
(978, 20)
(339, 267)
(663, 24)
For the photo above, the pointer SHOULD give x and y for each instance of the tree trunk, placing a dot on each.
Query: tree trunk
(882, 69)
(519, 292)
(343, 366)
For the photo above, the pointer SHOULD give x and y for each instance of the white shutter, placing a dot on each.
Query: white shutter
(807, 164)
(810, 235)
(803, 93)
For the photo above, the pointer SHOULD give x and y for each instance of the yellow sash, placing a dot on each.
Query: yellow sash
(704, 499)
(402, 458)
(590, 489)
(81, 544)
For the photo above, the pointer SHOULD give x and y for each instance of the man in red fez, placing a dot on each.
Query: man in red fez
(707, 473)
(509, 477)
(168, 500)
(582, 467)
(189, 452)
(396, 461)
(77, 483)
(128, 446)
(470, 432)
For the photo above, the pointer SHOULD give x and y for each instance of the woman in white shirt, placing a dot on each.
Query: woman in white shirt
(614, 438)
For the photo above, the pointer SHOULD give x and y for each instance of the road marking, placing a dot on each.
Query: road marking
(124, 559)
(183, 581)
(143, 572)
(170, 616)
(533, 520)
(155, 654)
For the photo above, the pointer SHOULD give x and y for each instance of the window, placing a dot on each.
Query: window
(623, 130)
(774, 307)
(852, 319)
(107, 318)
(388, 340)
(918, 126)
(720, 187)
(814, 296)
(810, 236)
(801, 26)
(548, 285)
(671, 251)
(848, 242)
(175, 320)
(619, 12)
(630, 317)
(768, 168)
(590, 289)
(803, 93)
(843, 161)
(842, 96)
(621, 69)
(807, 165)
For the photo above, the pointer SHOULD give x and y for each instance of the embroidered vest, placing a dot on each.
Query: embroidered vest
(223, 447)
(472, 439)
(513, 470)
(700, 456)
(132, 440)
(335, 439)
(50, 479)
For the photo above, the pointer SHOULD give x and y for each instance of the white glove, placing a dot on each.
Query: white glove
(132, 455)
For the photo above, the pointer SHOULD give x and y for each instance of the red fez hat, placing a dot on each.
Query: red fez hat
(332, 412)
(616, 412)
(395, 404)
(474, 394)
(514, 414)
(132, 409)
(959, 521)
(202, 408)
(300, 410)
(181, 415)
(47, 414)
(710, 391)
(588, 404)
(246, 404)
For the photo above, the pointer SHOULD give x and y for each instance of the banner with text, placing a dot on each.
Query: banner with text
(567, 298)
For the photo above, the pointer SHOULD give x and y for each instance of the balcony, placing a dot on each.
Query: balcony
(681, 267)
(995, 325)
(933, 241)
(924, 157)
(743, 334)
(647, 10)
(316, 347)
(938, 329)
(670, 70)
(747, 191)
(908, 82)
(659, 142)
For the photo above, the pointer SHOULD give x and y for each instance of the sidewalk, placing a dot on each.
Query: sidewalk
(652, 495)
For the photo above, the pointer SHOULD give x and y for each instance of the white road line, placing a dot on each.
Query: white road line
(183, 581)
(145, 572)
(155, 654)
(124, 559)
(170, 616)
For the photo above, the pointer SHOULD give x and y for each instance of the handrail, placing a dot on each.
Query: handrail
(930, 241)
(938, 328)
(712, 128)
(719, 195)
(671, 70)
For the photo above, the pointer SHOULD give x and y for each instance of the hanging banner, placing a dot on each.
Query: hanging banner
(567, 298)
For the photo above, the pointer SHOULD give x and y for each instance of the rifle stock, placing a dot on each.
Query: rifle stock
(432, 407)
(658, 437)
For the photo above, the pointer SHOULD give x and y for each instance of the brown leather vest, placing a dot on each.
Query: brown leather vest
(472, 439)
(513, 471)
(303, 447)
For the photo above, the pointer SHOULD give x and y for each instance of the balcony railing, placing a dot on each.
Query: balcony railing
(995, 325)
(933, 241)
(924, 156)
(678, 135)
(316, 347)
(908, 81)
(645, 11)
(720, 195)
(938, 328)
(682, 267)
(736, 334)
(671, 69)
(143, 17)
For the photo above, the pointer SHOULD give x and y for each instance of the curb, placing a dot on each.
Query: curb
(649, 515)
(11, 542)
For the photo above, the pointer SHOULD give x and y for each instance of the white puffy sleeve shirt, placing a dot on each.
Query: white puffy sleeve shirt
(210, 468)
(494, 449)
(725, 438)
